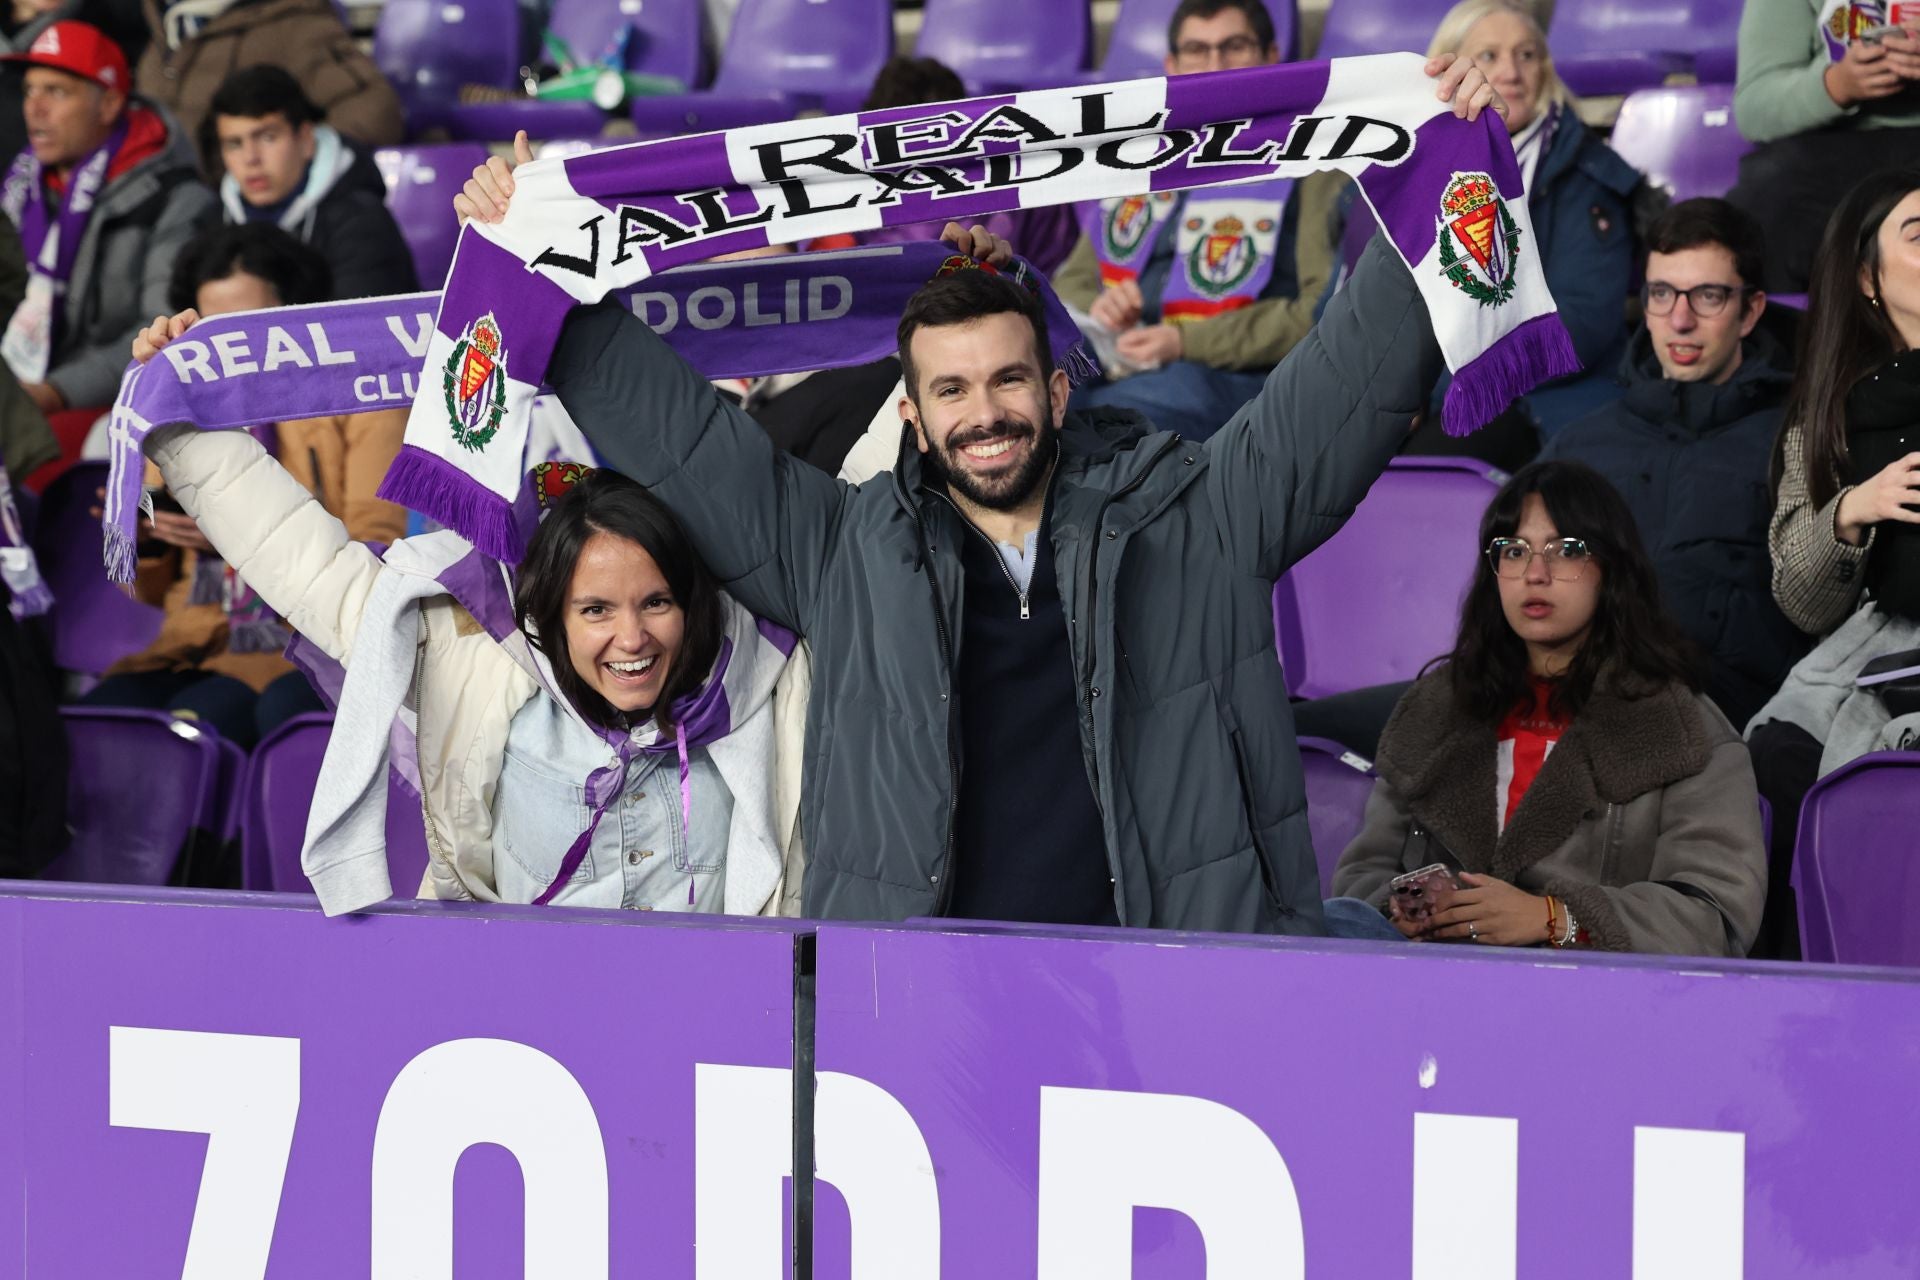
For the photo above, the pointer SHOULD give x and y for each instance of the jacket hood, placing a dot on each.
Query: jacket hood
(1760, 383)
(144, 179)
(336, 166)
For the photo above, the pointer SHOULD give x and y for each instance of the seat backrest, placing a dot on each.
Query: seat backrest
(1683, 138)
(229, 798)
(139, 784)
(1338, 783)
(421, 183)
(1137, 45)
(807, 46)
(429, 48)
(973, 37)
(1381, 598)
(1636, 26)
(1379, 26)
(1854, 867)
(665, 42)
(94, 623)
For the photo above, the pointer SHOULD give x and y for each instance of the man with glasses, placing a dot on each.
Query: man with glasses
(1191, 298)
(1688, 444)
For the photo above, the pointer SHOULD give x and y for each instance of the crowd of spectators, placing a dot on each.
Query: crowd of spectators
(1708, 536)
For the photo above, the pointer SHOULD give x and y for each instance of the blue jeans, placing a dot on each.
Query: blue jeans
(1189, 398)
(1353, 918)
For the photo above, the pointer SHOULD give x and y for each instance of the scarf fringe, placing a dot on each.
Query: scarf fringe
(1534, 352)
(441, 491)
(1080, 365)
(120, 555)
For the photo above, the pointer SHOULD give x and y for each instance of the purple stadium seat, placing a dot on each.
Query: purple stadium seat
(1853, 865)
(1380, 598)
(1618, 46)
(1356, 27)
(1338, 784)
(430, 48)
(94, 623)
(1137, 46)
(1048, 46)
(782, 56)
(229, 781)
(139, 785)
(280, 785)
(421, 184)
(1682, 138)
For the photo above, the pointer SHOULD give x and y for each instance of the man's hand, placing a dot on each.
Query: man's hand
(1465, 86)
(1874, 69)
(486, 194)
(1118, 307)
(177, 530)
(978, 243)
(1491, 911)
(45, 396)
(164, 329)
(1150, 347)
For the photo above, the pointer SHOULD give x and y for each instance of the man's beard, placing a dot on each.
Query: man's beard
(999, 492)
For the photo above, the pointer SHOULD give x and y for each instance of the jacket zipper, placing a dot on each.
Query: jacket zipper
(943, 898)
(1026, 615)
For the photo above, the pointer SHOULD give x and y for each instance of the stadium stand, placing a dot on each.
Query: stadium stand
(1853, 866)
(126, 834)
(1338, 783)
(94, 623)
(1049, 49)
(1683, 138)
(421, 182)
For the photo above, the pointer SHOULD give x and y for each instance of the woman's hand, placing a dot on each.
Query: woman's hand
(1492, 911)
(1152, 346)
(978, 243)
(1873, 69)
(177, 530)
(486, 194)
(1465, 86)
(1119, 306)
(1891, 494)
(164, 329)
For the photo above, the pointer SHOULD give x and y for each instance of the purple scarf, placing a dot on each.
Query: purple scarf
(28, 595)
(751, 318)
(52, 244)
(1447, 194)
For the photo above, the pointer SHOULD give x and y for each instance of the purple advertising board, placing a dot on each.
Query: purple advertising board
(231, 1085)
(1092, 1106)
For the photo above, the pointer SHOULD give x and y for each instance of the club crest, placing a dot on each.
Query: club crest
(1474, 218)
(1221, 258)
(1128, 222)
(476, 384)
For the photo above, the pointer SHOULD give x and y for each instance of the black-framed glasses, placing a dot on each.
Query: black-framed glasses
(1703, 299)
(1232, 49)
(1567, 558)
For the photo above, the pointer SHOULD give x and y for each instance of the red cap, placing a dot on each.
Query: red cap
(82, 49)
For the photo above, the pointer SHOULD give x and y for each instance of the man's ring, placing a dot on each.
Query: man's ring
(1473, 931)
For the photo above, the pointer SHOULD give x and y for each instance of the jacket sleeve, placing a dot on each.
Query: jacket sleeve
(344, 82)
(13, 270)
(1590, 269)
(1078, 279)
(273, 532)
(1817, 578)
(1259, 336)
(1373, 859)
(368, 255)
(763, 521)
(1709, 873)
(1289, 468)
(92, 377)
(373, 442)
(1781, 84)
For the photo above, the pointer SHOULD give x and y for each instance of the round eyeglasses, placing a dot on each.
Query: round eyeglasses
(1567, 558)
(1703, 299)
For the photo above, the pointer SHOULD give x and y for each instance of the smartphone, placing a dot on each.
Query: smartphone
(1419, 894)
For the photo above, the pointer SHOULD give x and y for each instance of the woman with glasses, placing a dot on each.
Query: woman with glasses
(1560, 762)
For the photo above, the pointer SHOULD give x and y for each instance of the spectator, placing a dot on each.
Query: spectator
(966, 612)
(1580, 197)
(104, 197)
(1828, 96)
(1687, 445)
(24, 20)
(197, 44)
(1846, 514)
(633, 634)
(218, 655)
(26, 442)
(1192, 297)
(1561, 759)
(282, 166)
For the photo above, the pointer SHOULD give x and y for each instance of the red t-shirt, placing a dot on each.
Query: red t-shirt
(1526, 737)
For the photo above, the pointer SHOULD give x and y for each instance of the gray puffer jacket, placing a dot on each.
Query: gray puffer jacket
(1166, 551)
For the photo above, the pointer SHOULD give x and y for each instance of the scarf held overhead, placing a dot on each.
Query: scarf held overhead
(1447, 194)
(748, 319)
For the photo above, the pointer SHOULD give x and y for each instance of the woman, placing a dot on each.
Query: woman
(1846, 518)
(615, 739)
(1579, 195)
(1562, 760)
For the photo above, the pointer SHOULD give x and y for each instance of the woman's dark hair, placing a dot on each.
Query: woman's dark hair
(1632, 644)
(607, 502)
(913, 82)
(298, 274)
(1845, 336)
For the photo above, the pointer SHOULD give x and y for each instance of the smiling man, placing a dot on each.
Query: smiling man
(1689, 442)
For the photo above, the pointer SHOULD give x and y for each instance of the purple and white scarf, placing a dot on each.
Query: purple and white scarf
(1447, 193)
(28, 594)
(51, 242)
(785, 314)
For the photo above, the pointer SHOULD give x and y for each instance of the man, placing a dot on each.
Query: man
(1044, 680)
(1192, 297)
(105, 195)
(284, 167)
(1688, 445)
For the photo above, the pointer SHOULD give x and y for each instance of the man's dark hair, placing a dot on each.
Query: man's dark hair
(297, 273)
(1709, 220)
(910, 82)
(264, 90)
(1257, 17)
(961, 298)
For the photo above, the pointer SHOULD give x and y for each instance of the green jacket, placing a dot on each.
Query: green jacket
(1782, 80)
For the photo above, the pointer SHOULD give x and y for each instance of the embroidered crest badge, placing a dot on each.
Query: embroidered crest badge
(1222, 258)
(1127, 223)
(476, 384)
(1474, 217)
